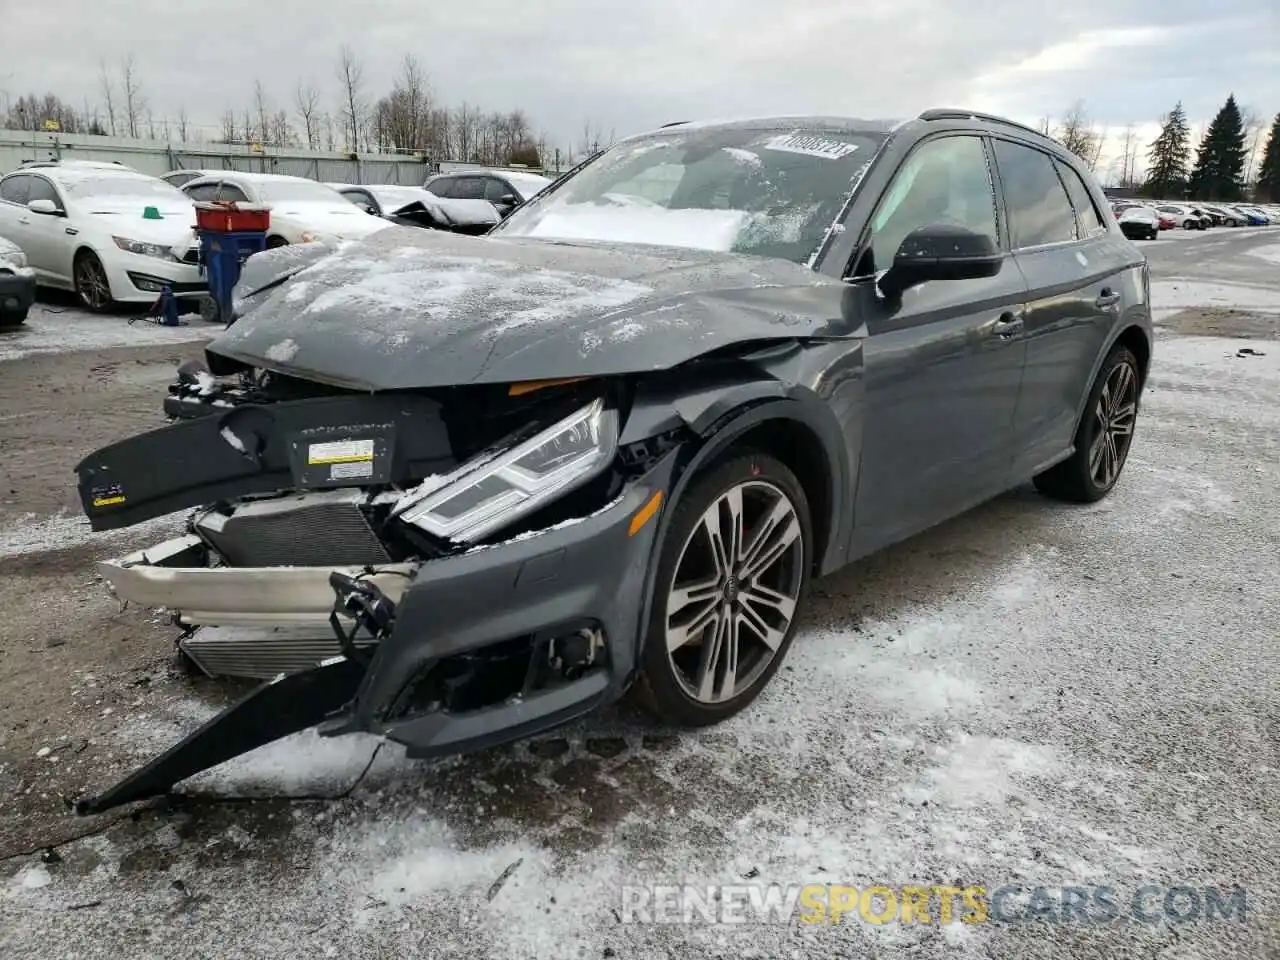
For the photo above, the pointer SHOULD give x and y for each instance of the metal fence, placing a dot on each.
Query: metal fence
(155, 158)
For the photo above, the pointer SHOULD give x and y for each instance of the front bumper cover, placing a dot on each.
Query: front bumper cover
(594, 569)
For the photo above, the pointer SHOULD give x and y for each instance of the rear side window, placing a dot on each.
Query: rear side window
(1091, 223)
(468, 188)
(1039, 209)
(442, 187)
(15, 188)
(495, 190)
(203, 191)
(229, 191)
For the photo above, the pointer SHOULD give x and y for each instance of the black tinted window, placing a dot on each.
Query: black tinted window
(42, 189)
(495, 190)
(1039, 210)
(945, 181)
(202, 191)
(15, 188)
(468, 188)
(441, 187)
(1091, 222)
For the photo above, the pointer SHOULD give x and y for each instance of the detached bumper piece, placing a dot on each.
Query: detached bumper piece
(278, 708)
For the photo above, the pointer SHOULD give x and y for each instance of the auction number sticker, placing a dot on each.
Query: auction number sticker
(811, 146)
(351, 470)
(340, 451)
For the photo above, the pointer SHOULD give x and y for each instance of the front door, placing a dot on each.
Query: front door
(944, 364)
(49, 237)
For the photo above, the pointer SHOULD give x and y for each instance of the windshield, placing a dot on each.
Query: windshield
(302, 191)
(95, 187)
(769, 192)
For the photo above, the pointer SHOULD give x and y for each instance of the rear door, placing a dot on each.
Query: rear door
(1073, 267)
(943, 364)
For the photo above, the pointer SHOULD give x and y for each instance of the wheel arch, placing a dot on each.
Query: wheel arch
(790, 424)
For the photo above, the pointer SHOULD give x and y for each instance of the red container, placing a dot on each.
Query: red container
(231, 217)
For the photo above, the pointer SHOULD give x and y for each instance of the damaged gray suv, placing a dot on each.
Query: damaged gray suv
(458, 490)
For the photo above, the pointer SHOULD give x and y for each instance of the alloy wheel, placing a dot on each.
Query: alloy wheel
(735, 590)
(1114, 419)
(92, 284)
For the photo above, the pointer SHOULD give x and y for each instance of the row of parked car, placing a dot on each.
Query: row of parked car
(114, 235)
(1144, 219)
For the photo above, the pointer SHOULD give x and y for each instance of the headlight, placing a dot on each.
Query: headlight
(13, 258)
(491, 491)
(145, 249)
(308, 237)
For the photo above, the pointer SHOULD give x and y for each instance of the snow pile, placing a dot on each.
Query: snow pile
(30, 533)
(66, 329)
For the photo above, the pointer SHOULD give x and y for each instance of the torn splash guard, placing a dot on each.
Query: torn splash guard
(288, 704)
(304, 444)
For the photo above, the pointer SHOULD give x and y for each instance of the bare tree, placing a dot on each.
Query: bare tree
(1253, 126)
(262, 112)
(1128, 157)
(135, 104)
(1076, 133)
(307, 100)
(182, 124)
(330, 133)
(228, 126)
(108, 96)
(281, 132)
(351, 76)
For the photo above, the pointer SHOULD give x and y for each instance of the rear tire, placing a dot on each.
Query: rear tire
(274, 242)
(725, 605)
(1104, 436)
(13, 318)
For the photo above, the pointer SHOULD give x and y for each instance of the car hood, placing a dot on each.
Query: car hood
(338, 220)
(418, 308)
(174, 228)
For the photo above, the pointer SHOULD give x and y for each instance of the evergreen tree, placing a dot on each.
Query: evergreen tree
(1220, 160)
(1269, 172)
(1169, 153)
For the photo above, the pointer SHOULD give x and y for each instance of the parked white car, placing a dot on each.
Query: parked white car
(17, 284)
(302, 210)
(109, 233)
(1187, 217)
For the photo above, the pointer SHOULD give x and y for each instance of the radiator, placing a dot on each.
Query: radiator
(262, 652)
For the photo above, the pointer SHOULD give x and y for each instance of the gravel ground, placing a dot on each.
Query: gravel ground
(1030, 695)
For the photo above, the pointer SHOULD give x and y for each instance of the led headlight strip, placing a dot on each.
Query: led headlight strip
(490, 491)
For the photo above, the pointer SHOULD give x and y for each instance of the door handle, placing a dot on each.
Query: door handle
(23, 220)
(1007, 326)
(1107, 298)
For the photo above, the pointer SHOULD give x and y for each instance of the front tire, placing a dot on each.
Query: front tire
(732, 577)
(1104, 436)
(91, 283)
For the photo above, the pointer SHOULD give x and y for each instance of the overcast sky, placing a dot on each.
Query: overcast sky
(632, 65)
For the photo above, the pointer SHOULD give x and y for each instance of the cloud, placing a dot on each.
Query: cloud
(629, 66)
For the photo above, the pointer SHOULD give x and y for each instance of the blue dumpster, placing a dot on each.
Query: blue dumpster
(230, 233)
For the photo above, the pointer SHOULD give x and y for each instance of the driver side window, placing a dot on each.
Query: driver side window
(944, 181)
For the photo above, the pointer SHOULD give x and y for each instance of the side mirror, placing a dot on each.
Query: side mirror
(941, 252)
(45, 206)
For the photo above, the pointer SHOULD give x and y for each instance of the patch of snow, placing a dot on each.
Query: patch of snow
(747, 157)
(696, 229)
(285, 350)
(1183, 293)
(205, 383)
(32, 877)
(1270, 253)
(29, 533)
(67, 330)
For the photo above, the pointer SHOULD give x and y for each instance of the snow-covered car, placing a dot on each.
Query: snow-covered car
(17, 284)
(1139, 223)
(109, 233)
(302, 210)
(505, 189)
(417, 207)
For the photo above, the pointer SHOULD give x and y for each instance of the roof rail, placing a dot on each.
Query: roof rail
(954, 114)
(673, 123)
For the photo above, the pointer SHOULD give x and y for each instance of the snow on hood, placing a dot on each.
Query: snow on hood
(414, 308)
(123, 217)
(340, 219)
(458, 212)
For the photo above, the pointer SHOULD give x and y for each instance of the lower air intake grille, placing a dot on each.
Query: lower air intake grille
(308, 530)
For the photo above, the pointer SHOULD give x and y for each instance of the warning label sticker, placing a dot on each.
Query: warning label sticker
(341, 451)
(811, 146)
(351, 470)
